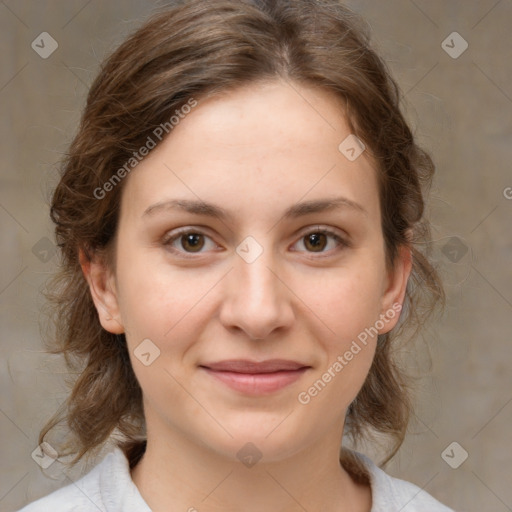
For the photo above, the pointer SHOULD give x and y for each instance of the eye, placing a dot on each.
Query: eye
(316, 241)
(187, 241)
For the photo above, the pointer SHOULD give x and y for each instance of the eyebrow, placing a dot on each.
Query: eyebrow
(211, 210)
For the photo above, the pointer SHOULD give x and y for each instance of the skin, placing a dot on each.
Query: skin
(294, 301)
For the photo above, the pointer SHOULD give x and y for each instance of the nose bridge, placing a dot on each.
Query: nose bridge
(257, 280)
(256, 300)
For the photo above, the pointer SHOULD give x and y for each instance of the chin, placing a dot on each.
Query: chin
(268, 438)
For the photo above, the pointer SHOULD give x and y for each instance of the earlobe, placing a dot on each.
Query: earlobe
(394, 295)
(103, 291)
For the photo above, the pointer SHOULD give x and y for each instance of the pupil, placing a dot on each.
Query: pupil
(316, 240)
(192, 240)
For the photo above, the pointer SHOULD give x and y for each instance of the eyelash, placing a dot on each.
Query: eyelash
(170, 238)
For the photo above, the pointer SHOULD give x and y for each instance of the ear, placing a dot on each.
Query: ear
(103, 291)
(396, 285)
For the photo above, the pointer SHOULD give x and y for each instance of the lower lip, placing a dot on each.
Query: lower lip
(257, 383)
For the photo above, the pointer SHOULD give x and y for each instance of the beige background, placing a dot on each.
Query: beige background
(461, 110)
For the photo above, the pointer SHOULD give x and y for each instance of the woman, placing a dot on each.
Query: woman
(238, 217)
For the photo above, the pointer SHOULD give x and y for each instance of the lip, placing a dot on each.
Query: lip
(256, 378)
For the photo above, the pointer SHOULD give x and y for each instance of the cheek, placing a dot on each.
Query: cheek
(348, 304)
(349, 307)
(166, 307)
(160, 302)
(348, 300)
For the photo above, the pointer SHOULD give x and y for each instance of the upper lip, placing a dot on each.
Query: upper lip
(246, 366)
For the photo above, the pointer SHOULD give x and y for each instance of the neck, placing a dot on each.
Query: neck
(177, 474)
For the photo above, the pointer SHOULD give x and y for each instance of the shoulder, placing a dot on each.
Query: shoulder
(389, 493)
(107, 487)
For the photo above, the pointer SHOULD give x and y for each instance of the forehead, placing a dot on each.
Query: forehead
(258, 144)
(264, 116)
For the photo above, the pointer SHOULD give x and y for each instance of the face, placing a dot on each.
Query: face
(260, 310)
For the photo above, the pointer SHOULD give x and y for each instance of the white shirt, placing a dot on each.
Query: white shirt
(108, 487)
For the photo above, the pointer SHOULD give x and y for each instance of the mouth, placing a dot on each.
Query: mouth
(256, 378)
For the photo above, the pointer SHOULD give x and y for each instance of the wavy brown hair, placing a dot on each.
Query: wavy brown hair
(196, 49)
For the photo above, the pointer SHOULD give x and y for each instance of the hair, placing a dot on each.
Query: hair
(196, 49)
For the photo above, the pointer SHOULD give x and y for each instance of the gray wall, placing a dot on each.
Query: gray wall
(461, 110)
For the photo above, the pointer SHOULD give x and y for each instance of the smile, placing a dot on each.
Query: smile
(252, 378)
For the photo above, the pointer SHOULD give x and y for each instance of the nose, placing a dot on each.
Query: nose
(256, 299)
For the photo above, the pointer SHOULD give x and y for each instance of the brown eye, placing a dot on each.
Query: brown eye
(192, 242)
(188, 242)
(322, 241)
(315, 241)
